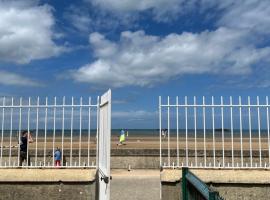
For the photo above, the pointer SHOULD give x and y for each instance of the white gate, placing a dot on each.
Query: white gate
(104, 146)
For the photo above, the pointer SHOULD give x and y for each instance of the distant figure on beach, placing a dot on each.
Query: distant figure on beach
(122, 137)
(57, 157)
(164, 132)
(26, 138)
(126, 135)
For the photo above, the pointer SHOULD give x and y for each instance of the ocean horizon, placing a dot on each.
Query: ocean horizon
(142, 132)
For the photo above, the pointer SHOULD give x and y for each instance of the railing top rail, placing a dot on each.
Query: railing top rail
(49, 106)
(214, 105)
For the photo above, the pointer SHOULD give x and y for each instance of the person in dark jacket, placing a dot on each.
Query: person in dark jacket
(23, 147)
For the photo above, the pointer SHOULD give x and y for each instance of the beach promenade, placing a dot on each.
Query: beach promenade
(135, 185)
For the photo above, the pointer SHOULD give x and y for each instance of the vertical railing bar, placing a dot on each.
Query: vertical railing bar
(231, 109)
(37, 121)
(204, 134)
(11, 129)
(28, 130)
(250, 133)
(20, 127)
(97, 132)
(80, 139)
(259, 130)
(3, 122)
(71, 131)
(222, 131)
(169, 148)
(45, 130)
(195, 131)
(214, 140)
(63, 129)
(54, 116)
(241, 130)
(160, 127)
(268, 133)
(177, 131)
(89, 132)
(186, 122)
(160, 140)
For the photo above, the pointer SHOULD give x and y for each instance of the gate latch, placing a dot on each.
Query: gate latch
(104, 178)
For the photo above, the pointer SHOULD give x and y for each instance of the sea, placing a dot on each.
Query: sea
(140, 132)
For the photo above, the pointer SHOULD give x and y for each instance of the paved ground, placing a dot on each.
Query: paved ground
(135, 185)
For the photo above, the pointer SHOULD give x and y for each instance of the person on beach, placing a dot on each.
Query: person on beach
(122, 138)
(164, 132)
(57, 157)
(26, 138)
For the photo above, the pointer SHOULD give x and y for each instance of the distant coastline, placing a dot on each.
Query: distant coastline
(225, 129)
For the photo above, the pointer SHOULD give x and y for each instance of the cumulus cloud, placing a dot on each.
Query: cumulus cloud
(87, 18)
(144, 60)
(13, 79)
(140, 59)
(161, 10)
(26, 31)
(241, 13)
(247, 14)
(79, 18)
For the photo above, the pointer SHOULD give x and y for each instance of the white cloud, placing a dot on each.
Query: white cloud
(162, 10)
(132, 5)
(86, 19)
(134, 115)
(26, 31)
(251, 15)
(79, 18)
(8, 78)
(138, 59)
(144, 60)
(240, 13)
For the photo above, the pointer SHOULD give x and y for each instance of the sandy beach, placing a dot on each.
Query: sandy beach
(145, 142)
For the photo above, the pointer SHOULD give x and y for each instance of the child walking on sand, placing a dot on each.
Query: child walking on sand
(57, 157)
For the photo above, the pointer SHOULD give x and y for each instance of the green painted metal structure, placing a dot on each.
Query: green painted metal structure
(194, 189)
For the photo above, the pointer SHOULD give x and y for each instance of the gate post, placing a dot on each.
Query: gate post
(184, 183)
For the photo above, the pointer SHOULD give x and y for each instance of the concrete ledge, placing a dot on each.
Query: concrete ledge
(242, 176)
(47, 175)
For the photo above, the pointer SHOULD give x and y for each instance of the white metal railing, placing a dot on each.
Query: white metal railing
(229, 134)
(52, 123)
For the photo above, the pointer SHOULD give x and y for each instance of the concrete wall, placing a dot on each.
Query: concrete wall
(231, 184)
(139, 158)
(47, 184)
(243, 191)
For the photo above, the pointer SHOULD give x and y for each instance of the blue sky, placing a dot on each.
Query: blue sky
(139, 48)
